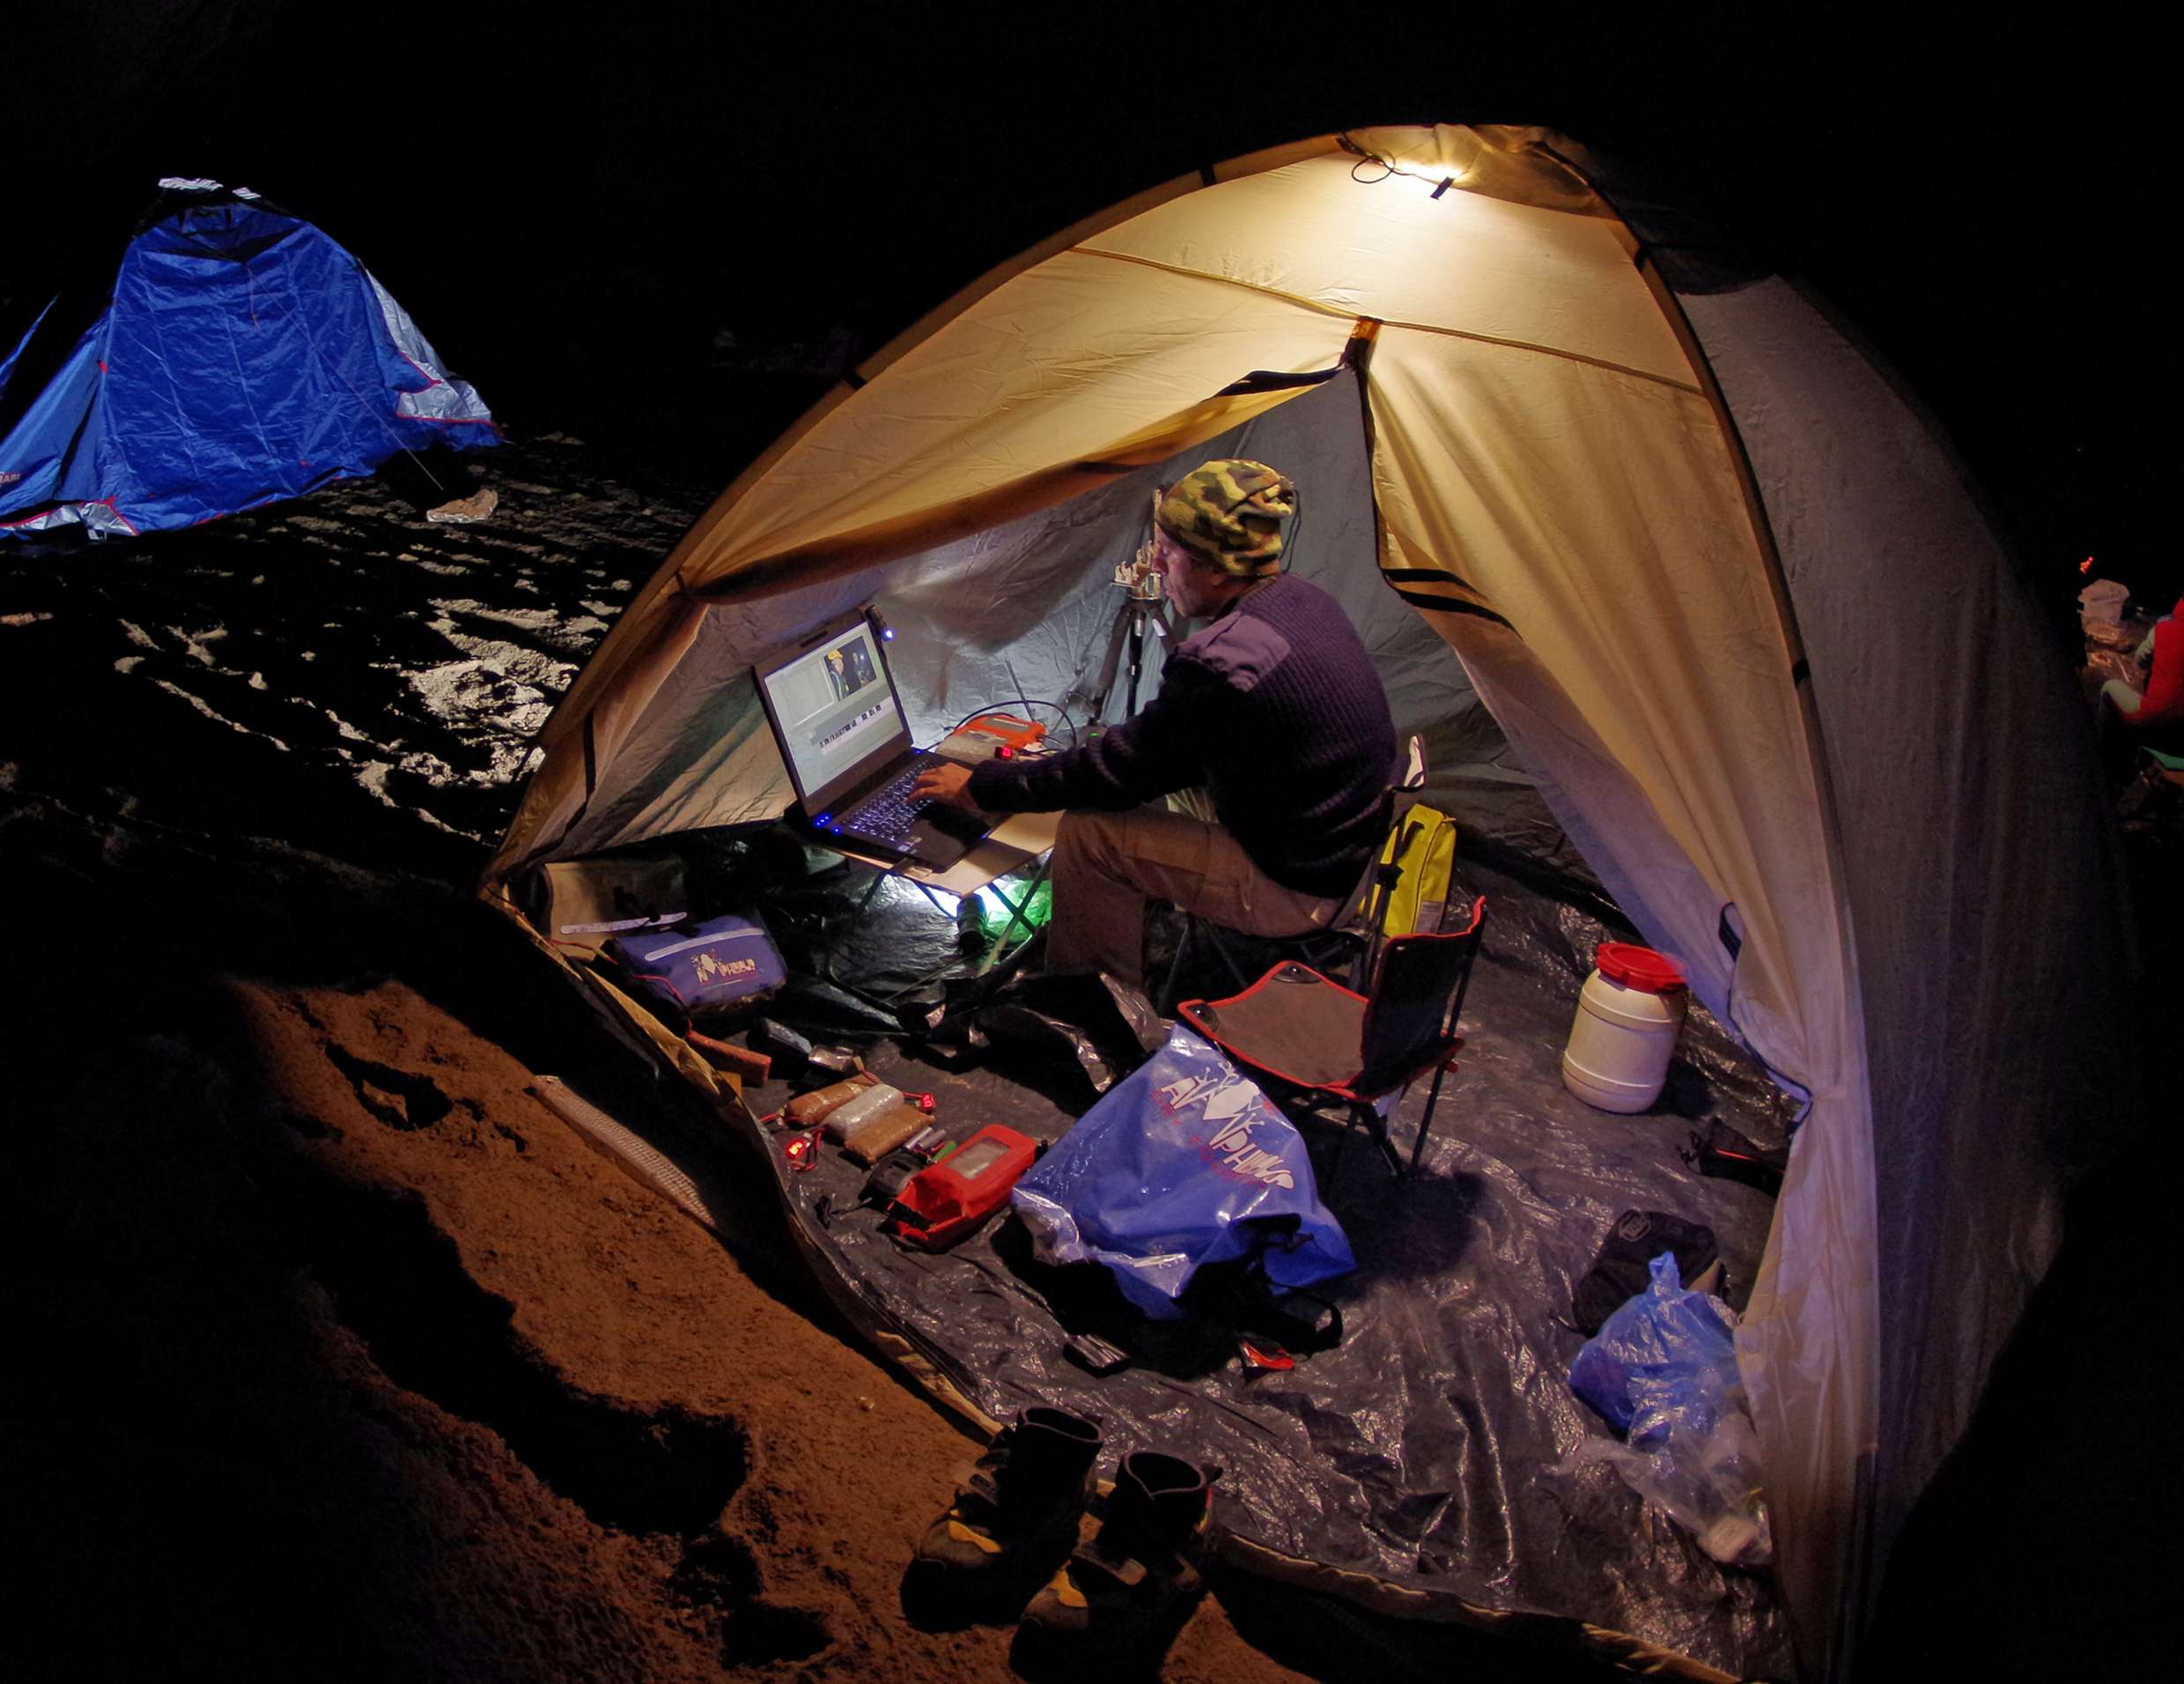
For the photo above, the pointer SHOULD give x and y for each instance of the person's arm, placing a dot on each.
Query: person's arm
(1160, 750)
(2145, 653)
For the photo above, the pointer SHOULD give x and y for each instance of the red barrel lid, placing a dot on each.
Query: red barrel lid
(1637, 967)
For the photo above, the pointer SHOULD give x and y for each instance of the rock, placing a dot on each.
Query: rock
(465, 510)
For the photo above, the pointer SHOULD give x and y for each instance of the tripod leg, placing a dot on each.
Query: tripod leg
(1109, 663)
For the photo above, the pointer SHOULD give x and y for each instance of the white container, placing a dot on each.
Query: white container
(1630, 1014)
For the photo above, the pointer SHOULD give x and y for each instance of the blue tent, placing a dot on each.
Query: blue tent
(242, 357)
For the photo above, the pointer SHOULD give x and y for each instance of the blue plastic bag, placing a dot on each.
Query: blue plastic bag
(1661, 1371)
(1665, 1350)
(1183, 1164)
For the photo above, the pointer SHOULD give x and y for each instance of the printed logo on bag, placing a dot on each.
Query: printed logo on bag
(1224, 1102)
(1234, 1152)
(712, 970)
(1214, 1097)
(1635, 1224)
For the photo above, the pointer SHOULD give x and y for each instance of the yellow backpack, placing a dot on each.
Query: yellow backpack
(1420, 858)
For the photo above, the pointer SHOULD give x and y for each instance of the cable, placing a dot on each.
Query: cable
(1363, 158)
(1062, 707)
(1388, 169)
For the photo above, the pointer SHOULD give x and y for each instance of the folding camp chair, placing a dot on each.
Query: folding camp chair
(1311, 1042)
(1350, 945)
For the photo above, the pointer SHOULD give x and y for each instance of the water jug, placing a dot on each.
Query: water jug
(1630, 1014)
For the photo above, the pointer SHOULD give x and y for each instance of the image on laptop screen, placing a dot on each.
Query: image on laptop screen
(834, 705)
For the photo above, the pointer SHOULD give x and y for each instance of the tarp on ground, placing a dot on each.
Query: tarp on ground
(1421, 1460)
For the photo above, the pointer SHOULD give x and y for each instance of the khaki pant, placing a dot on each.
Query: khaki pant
(1106, 865)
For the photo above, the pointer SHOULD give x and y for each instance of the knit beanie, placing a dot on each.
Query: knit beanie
(1230, 513)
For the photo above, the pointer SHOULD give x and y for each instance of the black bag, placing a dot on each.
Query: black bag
(1622, 1271)
(1720, 1150)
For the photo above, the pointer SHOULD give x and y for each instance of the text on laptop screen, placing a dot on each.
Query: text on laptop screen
(834, 705)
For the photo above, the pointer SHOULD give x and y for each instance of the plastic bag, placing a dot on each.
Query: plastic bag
(1183, 1164)
(1662, 1372)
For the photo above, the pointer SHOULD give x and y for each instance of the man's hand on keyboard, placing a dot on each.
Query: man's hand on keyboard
(947, 784)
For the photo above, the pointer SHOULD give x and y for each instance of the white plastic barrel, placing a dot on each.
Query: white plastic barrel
(1630, 1014)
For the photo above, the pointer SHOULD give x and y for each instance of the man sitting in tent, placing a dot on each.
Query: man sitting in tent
(1276, 709)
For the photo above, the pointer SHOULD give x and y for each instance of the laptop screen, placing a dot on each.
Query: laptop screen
(834, 709)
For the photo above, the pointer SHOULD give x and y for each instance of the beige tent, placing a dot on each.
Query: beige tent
(1718, 583)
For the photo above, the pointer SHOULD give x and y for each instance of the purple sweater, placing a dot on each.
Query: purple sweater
(1276, 708)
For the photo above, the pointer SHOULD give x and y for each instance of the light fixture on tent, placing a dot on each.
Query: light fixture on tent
(1438, 174)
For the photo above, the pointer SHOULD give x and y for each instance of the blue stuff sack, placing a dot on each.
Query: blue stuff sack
(1668, 1356)
(1182, 1164)
(1663, 1371)
(699, 970)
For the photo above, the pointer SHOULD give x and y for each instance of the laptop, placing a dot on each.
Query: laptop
(839, 722)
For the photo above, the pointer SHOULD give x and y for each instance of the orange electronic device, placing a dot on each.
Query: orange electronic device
(1006, 729)
(991, 736)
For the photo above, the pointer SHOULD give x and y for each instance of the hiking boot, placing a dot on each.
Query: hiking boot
(1131, 1586)
(1015, 1512)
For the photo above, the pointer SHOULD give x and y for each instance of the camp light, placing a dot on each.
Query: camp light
(1436, 172)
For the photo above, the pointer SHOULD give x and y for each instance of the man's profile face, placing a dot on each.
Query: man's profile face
(1196, 587)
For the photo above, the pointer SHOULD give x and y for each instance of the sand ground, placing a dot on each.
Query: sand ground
(352, 1360)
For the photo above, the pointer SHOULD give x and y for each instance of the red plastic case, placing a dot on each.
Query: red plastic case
(939, 1206)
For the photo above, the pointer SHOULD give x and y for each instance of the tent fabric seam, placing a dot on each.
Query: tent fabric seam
(1393, 321)
(1419, 599)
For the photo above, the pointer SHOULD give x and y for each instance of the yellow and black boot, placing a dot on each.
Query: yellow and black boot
(1125, 1591)
(1015, 1511)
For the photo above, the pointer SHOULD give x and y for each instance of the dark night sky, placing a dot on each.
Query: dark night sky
(575, 212)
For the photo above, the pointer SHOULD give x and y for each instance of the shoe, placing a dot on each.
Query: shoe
(1127, 1591)
(1015, 1513)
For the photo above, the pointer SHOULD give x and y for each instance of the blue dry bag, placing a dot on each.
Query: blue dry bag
(1184, 1163)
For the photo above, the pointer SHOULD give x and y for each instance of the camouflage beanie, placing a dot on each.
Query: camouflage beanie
(1230, 513)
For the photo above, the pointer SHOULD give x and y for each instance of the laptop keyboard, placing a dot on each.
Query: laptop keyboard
(887, 814)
